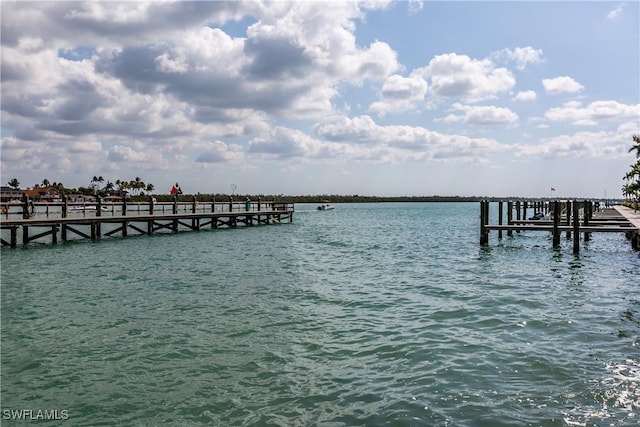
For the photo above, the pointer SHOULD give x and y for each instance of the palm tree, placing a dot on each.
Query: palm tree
(137, 184)
(150, 188)
(636, 146)
(108, 187)
(14, 183)
(94, 183)
(635, 170)
(124, 186)
(46, 183)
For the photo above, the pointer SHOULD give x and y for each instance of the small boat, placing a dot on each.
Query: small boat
(89, 208)
(539, 216)
(326, 207)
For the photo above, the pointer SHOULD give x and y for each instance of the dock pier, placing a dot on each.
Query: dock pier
(572, 217)
(29, 222)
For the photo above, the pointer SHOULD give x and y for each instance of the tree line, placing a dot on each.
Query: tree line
(97, 187)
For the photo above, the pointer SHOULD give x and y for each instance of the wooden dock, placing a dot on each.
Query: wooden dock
(573, 218)
(28, 222)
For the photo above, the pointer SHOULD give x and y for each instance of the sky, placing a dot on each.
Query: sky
(413, 98)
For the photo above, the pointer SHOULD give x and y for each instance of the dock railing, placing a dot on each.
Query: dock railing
(47, 210)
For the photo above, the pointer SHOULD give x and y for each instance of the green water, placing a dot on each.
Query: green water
(372, 314)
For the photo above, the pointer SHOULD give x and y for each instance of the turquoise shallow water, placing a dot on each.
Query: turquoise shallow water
(372, 314)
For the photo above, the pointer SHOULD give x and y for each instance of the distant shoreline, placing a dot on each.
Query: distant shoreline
(336, 198)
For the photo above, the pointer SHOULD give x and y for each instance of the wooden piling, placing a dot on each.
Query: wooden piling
(500, 209)
(556, 223)
(510, 217)
(587, 218)
(14, 237)
(568, 215)
(484, 220)
(576, 228)
(98, 214)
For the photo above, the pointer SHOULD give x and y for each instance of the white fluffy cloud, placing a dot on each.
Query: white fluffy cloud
(461, 77)
(527, 95)
(560, 85)
(400, 94)
(599, 144)
(406, 142)
(482, 115)
(521, 56)
(594, 113)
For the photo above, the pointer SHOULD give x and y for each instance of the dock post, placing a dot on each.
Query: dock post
(587, 217)
(500, 206)
(518, 218)
(259, 204)
(65, 209)
(484, 220)
(576, 228)
(150, 222)
(230, 203)
(14, 237)
(98, 222)
(175, 204)
(194, 208)
(65, 206)
(635, 240)
(568, 214)
(556, 222)
(524, 210)
(510, 217)
(25, 234)
(214, 220)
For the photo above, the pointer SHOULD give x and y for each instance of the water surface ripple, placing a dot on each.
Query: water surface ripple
(372, 314)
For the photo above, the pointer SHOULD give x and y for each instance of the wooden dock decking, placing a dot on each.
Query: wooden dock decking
(104, 220)
(575, 218)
